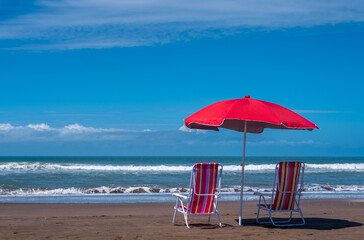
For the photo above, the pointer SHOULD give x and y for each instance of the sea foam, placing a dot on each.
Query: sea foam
(145, 189)
(41, 166)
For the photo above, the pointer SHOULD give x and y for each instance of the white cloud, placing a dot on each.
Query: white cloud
(69, 24)
(183, 128)
(72, 132)
(76, 128)
(6, 127)
(39, 127)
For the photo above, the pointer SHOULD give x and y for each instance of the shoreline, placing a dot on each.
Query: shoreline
(156, 197)
(325, 219)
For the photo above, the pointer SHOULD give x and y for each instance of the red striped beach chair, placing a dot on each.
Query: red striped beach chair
(286, 197)
(205, 187)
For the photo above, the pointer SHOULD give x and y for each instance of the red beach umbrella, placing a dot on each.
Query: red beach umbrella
(249, 116)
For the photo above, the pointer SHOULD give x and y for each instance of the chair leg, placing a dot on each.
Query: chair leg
(208, 222)
(218, 218)
(175, 210)
(185, 216)
(271, 218)
(303, 219)
(290, 217)
(174, 215)
(258, 214)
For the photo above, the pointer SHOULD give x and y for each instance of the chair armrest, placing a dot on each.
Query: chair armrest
(262, 194)
(179, 195)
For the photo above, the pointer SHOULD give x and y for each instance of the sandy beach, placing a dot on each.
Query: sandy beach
(325, 219)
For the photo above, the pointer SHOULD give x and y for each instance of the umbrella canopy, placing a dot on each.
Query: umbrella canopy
(247, 115)
(232, 114)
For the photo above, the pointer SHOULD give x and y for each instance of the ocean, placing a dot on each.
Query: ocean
(153, 179)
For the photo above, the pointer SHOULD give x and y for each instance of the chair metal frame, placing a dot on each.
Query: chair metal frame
(185, 209)
(296, 201)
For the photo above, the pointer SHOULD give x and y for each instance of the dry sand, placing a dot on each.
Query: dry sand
(325, 219)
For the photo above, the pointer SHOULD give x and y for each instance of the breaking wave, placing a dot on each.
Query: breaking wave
(41, 166)
(137, 190)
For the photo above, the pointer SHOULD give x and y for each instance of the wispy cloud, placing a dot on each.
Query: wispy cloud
(75, 132)
(317, 111)
(68, 24)
(281, 142)
(284, 142)
(72, 132)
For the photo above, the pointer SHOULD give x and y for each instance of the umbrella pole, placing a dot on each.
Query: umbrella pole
(242, 176)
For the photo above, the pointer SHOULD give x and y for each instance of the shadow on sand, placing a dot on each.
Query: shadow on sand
(204, 226)
(311, 223)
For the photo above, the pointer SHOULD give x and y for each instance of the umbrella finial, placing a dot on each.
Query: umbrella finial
(247, 96)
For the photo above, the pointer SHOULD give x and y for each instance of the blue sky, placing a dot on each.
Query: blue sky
(118, 77)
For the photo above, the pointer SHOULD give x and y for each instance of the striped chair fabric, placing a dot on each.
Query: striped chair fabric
(205, 178)
(288, 177)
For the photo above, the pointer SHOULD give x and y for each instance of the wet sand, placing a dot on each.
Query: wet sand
(325, 219)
